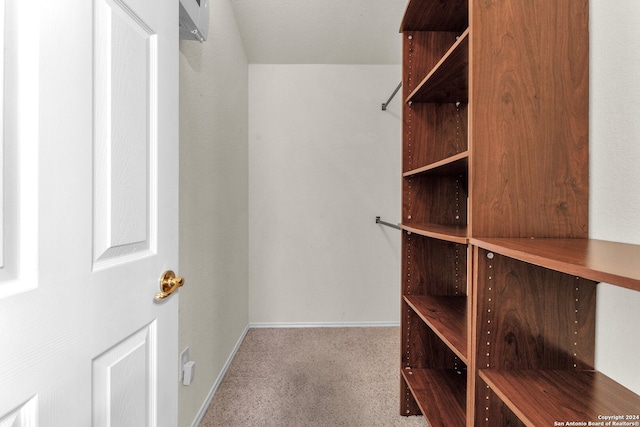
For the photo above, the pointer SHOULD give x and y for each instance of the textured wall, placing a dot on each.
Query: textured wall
(321, 31)
(213, 202)
(615, 175)
(324, 161)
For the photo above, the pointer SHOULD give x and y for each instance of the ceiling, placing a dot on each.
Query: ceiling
(320, 31)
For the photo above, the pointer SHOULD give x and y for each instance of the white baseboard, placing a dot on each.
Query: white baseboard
(258, 325)
(216, 384)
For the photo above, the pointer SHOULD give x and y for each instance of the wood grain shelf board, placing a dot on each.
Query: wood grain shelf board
(457, 164)
(440, 394)
(446, 316)
(539, 398)
(448, 81)
(598, 260)
(450, 233)
(423, 15)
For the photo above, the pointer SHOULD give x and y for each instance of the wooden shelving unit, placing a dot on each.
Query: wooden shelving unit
(545, 397)
(446, 316)
(435, 16)
(451, 233)
(440, 394)
(598, 260)
(454, 165)
(447, 81)
(499, 277)
(539, 296)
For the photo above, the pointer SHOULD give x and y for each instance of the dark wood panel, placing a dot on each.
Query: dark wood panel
(422, 348)
(433, 267)
(440, 394)
(435, 199)
(599, 260)
(491, 411)
(408, 404)
(529, 97)
(422, 50)
(446, 316)
(437, 133)
(539, 398)
(530, 317)
(448, 81)
(422, 15)
(432, 132)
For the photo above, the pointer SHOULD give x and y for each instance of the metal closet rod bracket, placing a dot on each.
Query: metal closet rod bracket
(384, 104)
(388, 224)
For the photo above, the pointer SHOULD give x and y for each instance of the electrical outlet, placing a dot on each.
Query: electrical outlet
(184, 358)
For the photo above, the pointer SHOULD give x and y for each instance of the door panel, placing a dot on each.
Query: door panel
(18, 164)
(125, 120)
(24, 416)
(2, 148)
(89, 217)
(123, 389)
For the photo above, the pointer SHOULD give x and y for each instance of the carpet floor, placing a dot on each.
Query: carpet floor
(312, 377)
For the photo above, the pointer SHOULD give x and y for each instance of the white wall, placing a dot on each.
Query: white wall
(213, 202)
(324, 161)
(313, 161)
(615, 175)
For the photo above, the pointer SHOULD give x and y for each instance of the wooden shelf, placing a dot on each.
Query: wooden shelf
(450, 233)
(440, 394)
(450, 15)
(539, 398)
(446, 316)
(495, 144)
(598, 260)
(458, 164)
(448, 82)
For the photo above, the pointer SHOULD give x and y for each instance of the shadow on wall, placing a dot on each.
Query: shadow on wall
(192, 52)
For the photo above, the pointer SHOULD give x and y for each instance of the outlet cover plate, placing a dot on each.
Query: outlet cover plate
(184, 358)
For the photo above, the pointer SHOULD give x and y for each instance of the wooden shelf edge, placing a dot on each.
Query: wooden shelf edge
(439, 313)
(459, 160)
(543, 397)
(440, 394)
(598, 260)
(460, 45)
(449, 233)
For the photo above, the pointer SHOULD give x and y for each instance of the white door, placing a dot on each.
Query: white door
(88, 213)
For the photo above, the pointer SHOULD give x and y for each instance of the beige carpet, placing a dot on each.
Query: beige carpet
(312, 377)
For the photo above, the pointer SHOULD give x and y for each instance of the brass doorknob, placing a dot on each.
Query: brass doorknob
(168, 284)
